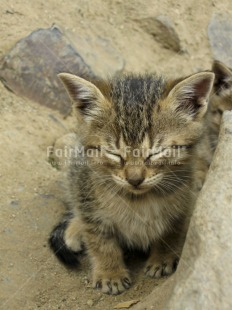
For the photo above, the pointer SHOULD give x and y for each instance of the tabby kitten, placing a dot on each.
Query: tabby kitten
(221, 98)
(131, 188)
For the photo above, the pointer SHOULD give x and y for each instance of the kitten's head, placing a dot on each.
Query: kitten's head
(141, 130)
(221, 98)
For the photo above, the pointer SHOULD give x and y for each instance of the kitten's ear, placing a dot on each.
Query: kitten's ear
(190, 96)
(88, 99)
(223, 76)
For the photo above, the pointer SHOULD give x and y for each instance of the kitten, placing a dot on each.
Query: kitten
(132, 186)
(221, 98)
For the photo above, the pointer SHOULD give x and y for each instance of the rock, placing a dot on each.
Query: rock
(204, 276)
(163, 30)
(30, 69)
(90, 302)
(220, 37)
(203, 279)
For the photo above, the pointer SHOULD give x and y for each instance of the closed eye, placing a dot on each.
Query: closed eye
(167, 151)
(184, 146)
(93, 147)
(155, 155)
(115, 157)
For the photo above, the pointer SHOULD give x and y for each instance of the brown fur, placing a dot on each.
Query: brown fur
(122, 200)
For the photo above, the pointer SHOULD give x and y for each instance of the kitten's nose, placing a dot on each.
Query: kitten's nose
(135, 181)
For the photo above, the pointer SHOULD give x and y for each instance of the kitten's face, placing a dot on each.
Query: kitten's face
(221, 98)
(150, 165)
(142, 131)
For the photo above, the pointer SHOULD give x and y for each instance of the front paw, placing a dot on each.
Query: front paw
(111, 283)
(157, 268)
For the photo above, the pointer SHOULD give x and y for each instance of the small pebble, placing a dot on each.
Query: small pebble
(90, 302)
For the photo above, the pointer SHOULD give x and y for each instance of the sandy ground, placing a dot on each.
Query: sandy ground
(31, 199)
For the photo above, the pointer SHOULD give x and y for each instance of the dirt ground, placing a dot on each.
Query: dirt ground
(31, 196)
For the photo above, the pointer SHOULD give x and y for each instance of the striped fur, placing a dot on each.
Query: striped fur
(122, 200)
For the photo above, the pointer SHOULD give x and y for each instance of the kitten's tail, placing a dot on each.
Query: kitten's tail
(57, 243)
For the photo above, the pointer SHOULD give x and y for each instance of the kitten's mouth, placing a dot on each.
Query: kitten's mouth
(137, 190)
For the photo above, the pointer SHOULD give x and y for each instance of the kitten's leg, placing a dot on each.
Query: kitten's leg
(161, 262)
(109, 271)
(73, 235)
(165, 254)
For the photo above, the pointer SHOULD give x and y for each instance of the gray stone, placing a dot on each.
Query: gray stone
(203, 279)
(30, 69)
(163, 30)
(220, 37)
